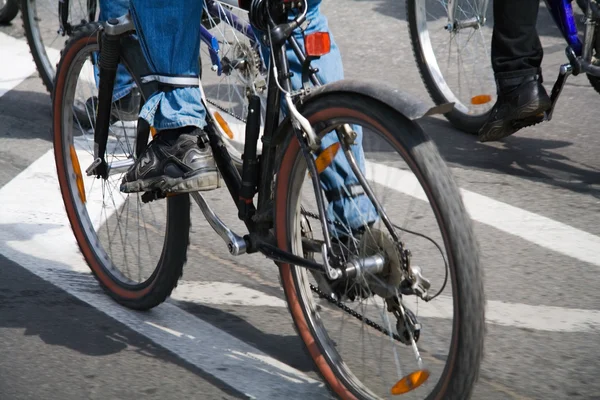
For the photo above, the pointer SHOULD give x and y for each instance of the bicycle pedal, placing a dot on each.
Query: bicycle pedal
(148, 197)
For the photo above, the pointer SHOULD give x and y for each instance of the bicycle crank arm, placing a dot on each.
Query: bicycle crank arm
(235, 243)
(565, 71)
(276, 254)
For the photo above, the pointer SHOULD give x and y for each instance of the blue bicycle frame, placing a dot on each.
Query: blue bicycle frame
(562, 13)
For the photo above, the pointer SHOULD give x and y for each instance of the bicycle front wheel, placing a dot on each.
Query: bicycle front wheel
(136, 248)
(361, 348)
(451, 41)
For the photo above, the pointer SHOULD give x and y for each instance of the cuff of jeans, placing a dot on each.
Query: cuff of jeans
(153, 114)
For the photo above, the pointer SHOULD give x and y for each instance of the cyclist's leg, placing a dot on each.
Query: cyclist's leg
(338, 180)
(114, 9)
(516, 59)
(169, 33)
(516, 47)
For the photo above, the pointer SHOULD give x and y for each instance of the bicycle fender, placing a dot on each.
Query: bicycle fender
(403, 102)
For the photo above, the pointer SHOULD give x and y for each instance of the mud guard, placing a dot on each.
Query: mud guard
(406, 104)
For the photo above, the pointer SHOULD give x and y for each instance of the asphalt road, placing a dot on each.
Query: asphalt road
(535, 199)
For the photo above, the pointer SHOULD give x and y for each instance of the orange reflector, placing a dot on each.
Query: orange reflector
(410, 382)
(224, 125)
(153, 131)
(326, 157)
(317, 44)
(78, 176)
(481, 99)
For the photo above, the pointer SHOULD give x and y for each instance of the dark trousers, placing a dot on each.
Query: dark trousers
(516, 47)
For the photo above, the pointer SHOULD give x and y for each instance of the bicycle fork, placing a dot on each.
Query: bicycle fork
(109, 40)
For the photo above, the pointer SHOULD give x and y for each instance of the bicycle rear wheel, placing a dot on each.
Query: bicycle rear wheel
(362, 359)
(136, 249)
(453, 56)
(41, 24)
(233, 67)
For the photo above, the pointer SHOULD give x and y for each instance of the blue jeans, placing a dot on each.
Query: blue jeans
(169, 32)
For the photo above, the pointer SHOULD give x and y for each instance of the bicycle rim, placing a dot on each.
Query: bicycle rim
(453, 56)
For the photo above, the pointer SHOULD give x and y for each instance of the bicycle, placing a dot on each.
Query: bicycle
(274, 202)
(467, 26)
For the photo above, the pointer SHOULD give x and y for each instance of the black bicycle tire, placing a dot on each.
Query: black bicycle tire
(169, 268)
(9, 11)
(40, 57)
(463, 256)
(464, 122)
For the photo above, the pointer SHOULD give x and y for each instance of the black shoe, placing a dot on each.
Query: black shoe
(174, 162)
(521, 102)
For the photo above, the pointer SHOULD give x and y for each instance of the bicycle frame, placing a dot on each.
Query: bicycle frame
(118, 45)
(562, 13)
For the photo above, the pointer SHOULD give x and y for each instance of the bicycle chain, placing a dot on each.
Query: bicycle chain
(341, 305)
(226, 111)
(355, 314)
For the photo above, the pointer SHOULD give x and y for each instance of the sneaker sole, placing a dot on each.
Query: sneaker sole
(532, 114)
(197, 183)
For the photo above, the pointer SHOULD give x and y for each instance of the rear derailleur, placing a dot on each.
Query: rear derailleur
(407, 325)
